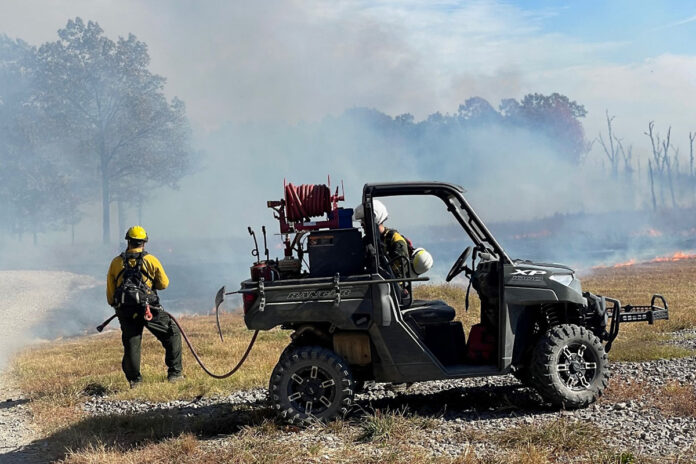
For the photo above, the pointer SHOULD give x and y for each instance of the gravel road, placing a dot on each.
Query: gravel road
(483, 407)
(28, 299)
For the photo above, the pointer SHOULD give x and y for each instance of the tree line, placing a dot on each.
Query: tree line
(83, 119)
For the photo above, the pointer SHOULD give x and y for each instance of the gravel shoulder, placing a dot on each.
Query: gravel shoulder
(28, 299)
(15, 418)
(477, 408)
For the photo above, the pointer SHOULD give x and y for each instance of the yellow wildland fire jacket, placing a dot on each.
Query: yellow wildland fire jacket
(151, 265)
(395, 245)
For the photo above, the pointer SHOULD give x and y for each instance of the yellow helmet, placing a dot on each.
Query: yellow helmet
(136, 233)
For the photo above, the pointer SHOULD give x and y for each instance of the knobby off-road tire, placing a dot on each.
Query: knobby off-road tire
(359, 386)
(311, 383)
(570, 368)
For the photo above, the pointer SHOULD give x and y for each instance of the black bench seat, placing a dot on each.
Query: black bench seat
(428, 312)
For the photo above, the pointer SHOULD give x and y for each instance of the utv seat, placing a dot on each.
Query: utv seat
(428, 312)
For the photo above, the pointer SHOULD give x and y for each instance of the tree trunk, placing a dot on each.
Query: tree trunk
(121, 217)
(671, 186)
(652, 185)
(106, 224)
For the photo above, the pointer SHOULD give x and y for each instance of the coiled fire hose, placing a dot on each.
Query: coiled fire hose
(193, 351)
(305, 201)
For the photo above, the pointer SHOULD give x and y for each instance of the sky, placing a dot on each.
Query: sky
(301, 60)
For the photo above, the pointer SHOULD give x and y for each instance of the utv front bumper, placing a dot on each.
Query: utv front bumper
(630, 313)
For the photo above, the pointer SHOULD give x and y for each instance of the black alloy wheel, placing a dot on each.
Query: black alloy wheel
(311, 383)
(570, 368)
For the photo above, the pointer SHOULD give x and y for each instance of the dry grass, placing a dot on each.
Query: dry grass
(635, 285)
(393, 426)
(626, 389)
(58, 376)
(561, 436)
(676, 399)
(563, 440)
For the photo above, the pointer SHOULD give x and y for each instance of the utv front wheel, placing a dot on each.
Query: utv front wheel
(311, 383)
(570, 367)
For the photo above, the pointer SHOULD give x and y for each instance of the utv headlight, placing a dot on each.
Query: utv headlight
(564, 279)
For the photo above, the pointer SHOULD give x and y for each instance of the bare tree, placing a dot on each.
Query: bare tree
(627, 157)
(667, 162)
(612, 151)
(657, 165)
(652, 184)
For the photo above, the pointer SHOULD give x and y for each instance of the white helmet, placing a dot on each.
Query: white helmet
(421, 261)
(380, 211)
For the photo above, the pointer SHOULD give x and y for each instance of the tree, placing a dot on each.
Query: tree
(36, 193)
(478, 110)
(104, 96)
(554, 115)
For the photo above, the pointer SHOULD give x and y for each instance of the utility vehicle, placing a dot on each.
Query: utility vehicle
(352, 320)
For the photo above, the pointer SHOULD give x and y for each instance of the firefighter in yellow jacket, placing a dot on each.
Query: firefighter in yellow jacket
(131, 288)
(392, 244)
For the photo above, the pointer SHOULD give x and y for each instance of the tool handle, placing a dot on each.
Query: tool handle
(255, 251)
(101, 326)
(265, 242)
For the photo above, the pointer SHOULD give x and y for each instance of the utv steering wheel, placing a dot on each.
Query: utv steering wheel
(458, 265)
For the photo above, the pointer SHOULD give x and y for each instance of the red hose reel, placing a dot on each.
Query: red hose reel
(304, 202)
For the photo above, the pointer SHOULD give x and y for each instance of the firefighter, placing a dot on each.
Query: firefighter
(392, 244)
(131, 289)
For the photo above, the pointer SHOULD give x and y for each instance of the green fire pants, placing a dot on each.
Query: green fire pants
(163, 328)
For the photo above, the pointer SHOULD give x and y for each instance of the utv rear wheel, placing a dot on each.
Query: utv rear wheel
(311, 383)
(570, 367)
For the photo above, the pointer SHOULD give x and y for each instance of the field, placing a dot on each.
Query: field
(62, 376)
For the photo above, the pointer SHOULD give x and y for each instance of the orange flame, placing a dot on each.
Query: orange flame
(630, 262)
(678, 256)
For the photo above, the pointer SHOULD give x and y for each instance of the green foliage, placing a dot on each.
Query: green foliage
(80, 113)
(35, 192)
(102, 94)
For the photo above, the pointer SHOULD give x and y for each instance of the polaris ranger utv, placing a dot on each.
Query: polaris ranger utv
(353, 320)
